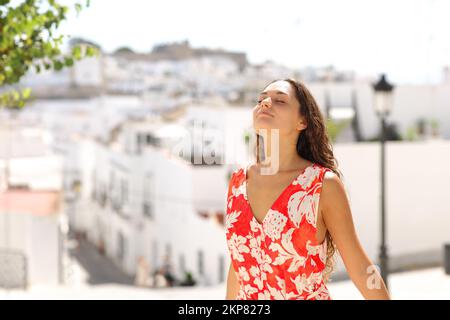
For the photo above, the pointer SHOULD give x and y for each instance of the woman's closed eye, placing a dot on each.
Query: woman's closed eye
(278, 101)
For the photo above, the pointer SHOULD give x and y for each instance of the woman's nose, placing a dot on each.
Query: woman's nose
(266, 102)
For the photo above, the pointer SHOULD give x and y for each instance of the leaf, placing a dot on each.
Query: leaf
(68, 61)
(15, 95)
(26, 93)
(58, 65)
(76, 52)
(78, 7)
(91, 51)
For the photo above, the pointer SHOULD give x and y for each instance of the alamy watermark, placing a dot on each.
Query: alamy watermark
(374, 278)
(203, 145)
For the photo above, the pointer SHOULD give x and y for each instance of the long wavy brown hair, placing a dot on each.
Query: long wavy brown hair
(313, 144)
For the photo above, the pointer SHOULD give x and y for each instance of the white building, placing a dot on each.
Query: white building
(32, 220)
(138, 198)
(411, 103)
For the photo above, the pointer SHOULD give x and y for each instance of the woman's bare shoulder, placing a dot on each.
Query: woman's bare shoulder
(333, 190)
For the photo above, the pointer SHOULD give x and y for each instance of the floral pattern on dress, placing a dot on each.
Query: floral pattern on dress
(318, 250)
(286, 251)
(279, 258)
(274, 224)
(302, 204)
(237, 247)
(232, 218)
(306, 178)
(237, 191)
(243, 274)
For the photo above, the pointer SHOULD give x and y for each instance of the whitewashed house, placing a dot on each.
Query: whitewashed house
(140, 198)
(32, 220)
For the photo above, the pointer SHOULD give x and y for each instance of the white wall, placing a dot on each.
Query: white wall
(418, 215)
(37, 238)
(44, 250)
(411, 102)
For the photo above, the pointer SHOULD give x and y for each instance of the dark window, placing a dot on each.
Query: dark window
(201, 268)
(124, 191)
(121, 247)
(168, 250)
(221, 268)
(182, 264)
(111, 181)
(154, 255)
(147, 209)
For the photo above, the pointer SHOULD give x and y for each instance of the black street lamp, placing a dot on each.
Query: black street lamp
(383, 103)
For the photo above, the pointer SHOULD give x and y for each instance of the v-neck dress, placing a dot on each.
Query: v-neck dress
(279, 258)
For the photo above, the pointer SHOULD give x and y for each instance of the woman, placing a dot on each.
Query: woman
(280, 236)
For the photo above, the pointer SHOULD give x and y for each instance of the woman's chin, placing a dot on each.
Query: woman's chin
(263, 127)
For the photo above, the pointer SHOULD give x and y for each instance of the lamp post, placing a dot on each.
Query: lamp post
(383, 104)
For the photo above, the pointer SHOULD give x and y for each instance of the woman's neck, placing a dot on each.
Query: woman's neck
(279, 153)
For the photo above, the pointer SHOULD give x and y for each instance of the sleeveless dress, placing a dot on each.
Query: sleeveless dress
(278, 259)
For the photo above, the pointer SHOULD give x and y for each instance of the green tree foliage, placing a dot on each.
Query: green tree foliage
(334, 128)
(28, 39)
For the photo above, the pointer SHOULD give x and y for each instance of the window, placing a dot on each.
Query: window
(168, 251)
(182, 263)
(201, 266)
(221, 268)
(112, 181)
(147, 206)
(154, 255)
(147, 209)
(140, 141)
(121, 247)
(124, 186)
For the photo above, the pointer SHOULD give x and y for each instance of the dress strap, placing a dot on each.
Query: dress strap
(246, 166)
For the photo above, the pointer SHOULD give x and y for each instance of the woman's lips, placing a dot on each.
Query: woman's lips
(265, 113)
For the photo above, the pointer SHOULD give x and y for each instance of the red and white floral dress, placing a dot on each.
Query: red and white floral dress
(278, 259)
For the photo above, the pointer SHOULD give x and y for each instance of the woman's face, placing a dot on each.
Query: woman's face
(278, 108)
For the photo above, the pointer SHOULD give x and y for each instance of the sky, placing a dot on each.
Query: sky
(407, 40)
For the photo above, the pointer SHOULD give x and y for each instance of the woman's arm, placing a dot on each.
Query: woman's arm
(232, 284)
(336, 213)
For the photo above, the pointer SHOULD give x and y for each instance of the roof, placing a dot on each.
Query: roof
(40, 203)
